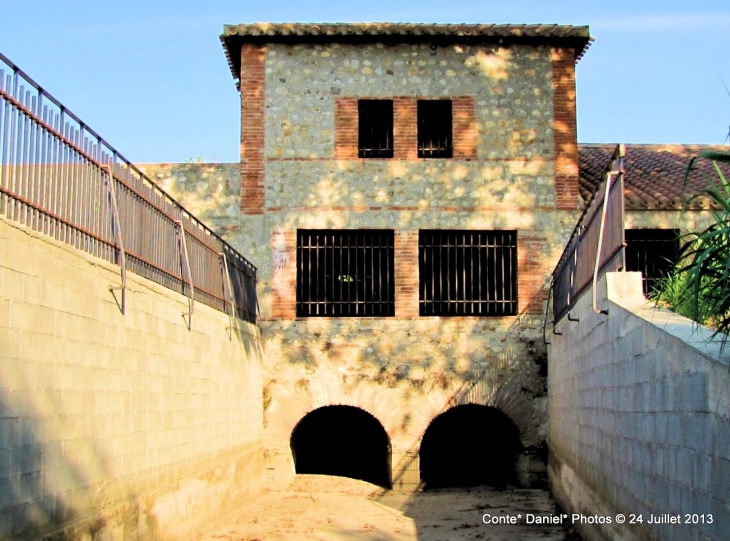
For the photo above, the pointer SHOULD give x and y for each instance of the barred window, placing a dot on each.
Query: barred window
(653, 252)
(467, 273)
(375, 128)
(345, 272)
(435, 129)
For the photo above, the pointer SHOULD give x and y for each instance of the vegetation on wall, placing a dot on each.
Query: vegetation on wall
(699, 287)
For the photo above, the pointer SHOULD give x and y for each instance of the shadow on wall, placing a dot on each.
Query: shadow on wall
(387, 366)
(91, 429)
(404, 373)
(46, 481)
(210, 191)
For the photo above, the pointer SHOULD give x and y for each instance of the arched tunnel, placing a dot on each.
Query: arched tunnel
(470, 445)
(344, 441)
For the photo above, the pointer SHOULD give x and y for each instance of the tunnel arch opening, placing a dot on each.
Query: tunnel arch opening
(344, 441)
(470, 445)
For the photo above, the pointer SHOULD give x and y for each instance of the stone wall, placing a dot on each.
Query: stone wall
(407, 369)
(117, 426)
(511, 170)
(639, 408)
(685, 221)
(514, 168)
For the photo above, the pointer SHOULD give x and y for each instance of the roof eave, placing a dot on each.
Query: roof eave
(575, 37)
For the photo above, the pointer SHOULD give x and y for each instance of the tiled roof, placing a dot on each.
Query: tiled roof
(576, 37)
(654, 174)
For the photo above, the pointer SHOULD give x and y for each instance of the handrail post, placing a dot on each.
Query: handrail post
(228, 298)
(615, 172)
(184, 255)
(547, 311)
(118, 235)
(597, 264)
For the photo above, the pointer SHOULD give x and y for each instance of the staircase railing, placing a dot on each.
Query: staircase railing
(59, 177)
(596, 245)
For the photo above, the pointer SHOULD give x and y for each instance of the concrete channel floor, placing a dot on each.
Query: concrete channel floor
(323, 508)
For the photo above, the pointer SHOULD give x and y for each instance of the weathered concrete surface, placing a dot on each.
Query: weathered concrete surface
(117, 426)
(639, 409)
(324, 508)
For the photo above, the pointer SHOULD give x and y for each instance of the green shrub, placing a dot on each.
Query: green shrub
(699, 288)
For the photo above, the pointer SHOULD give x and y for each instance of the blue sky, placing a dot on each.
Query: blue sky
(152, 79)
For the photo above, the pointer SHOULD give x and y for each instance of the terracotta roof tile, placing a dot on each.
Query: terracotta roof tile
(654, 174)
(576, 37)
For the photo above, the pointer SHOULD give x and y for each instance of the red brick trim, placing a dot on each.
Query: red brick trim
(406, 274)
(405, 128)
(284, 274)
(531, 249)
(565, 135)
(464, 128)
(346, 128)
(252, 129)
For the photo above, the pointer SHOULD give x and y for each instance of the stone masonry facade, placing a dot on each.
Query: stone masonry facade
(514, 168)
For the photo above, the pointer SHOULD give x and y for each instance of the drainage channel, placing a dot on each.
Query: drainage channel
(327, 508)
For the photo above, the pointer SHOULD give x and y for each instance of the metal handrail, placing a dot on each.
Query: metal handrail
(119, 238)
(570, 277)
(184, 255)
(54, 172)
(597, 263)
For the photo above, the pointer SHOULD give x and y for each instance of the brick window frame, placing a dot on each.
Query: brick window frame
(405, 127)
(435, 129)
(375, 128)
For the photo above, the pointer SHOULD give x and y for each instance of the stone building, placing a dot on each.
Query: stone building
(406, 191)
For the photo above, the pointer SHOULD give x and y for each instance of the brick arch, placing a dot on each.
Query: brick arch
(343, 401)
(508, 398)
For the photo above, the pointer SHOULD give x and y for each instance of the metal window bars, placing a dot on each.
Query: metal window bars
(653, 252)
(467, 273)
(59, 177)
(435, 139)
(344, 273)
(375, 128)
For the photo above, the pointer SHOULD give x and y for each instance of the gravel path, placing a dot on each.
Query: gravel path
(322, 508)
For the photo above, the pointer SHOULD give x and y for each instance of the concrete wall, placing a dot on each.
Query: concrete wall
(117, 426)
(639, 409)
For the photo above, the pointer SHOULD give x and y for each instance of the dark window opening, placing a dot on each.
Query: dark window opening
(434, 129)
(375, 129)
(653, 252)
(343, 441)
(467, 273)
(345, 273)
(470, 445)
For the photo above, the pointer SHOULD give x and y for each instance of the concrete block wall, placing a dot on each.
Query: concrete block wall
(117, 426)
(639, 418)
